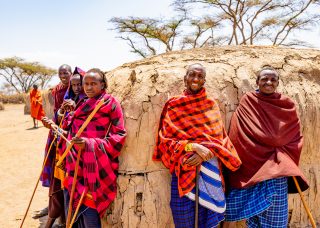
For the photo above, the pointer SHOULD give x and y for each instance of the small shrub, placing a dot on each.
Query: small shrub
(1, 106)
(13, 99)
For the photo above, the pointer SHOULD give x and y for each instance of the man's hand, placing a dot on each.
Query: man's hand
(68, 105)
(194, 160)
(202, 151)
(55, 127)
(47, 122)
(79, 142)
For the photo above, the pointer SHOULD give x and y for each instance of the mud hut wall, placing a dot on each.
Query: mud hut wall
(142, 87)
(48, 102)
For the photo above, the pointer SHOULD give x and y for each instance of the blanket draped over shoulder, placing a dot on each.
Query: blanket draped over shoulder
(58, 93)
(104, 137)
(36, 104)
(192, 118)
(265, 131)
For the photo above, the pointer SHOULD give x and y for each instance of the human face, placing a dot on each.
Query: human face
(93, 84)
(76, 86)
(64, 76)
(268, 82)
(195, 78)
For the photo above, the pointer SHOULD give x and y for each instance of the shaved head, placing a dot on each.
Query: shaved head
(65, 66)
(197, 67)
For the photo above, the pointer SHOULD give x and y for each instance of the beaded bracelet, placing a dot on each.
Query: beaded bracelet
(59, 113)
(188, 147)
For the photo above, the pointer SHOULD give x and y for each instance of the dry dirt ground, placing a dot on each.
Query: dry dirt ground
(21, 156)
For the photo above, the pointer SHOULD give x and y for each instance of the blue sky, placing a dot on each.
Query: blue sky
(77, 32)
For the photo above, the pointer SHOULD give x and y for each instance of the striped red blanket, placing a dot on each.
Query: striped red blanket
(192, 118)
(104, 137)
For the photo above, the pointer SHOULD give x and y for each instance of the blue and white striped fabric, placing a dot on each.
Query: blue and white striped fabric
(211, 194)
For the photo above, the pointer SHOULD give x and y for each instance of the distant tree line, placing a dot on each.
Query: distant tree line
(219, 22)
(20, 75)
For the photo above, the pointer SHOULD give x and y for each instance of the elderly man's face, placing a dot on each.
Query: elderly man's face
(268, 81)
(195, 78)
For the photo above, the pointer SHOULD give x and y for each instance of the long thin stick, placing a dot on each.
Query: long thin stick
(304, 203)
(61, 134)
(35, 188)
(81, 130)
(77, 209)
(73, 188)
(196, 215)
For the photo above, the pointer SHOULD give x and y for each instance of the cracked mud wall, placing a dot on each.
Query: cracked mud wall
(143, 86)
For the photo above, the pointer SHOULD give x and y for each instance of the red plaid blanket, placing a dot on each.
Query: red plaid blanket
(192, 118)
(104, 137)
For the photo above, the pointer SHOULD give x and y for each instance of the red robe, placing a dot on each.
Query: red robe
(36, 104)
(58, 93)
(265, 130)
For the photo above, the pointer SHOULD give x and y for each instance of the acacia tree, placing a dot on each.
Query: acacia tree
(149, 31)
(266, 21)
(21, 75)
(269, 22)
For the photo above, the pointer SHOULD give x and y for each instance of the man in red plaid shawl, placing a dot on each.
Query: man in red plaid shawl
(100, 144)
(191, 134)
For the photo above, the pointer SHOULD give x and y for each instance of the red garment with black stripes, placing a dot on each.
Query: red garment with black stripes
(192, 118)
(104, 137)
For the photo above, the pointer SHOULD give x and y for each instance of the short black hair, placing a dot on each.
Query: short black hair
(267, 67)
(101, 73)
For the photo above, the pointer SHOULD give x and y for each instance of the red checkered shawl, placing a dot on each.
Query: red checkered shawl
(265, 131)
(191, 118)
(104, 137)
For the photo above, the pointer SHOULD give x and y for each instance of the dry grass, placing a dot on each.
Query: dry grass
(13, 99)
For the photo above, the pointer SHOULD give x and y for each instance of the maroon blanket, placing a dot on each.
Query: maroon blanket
(58, 93)
(265, 131)
(104, 137)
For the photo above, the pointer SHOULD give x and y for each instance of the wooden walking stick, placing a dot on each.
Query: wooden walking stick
(73, 187)
(304, 203)
(56, 130)
(81, 130)
(196, 215)
(35, 188)
(77, 209)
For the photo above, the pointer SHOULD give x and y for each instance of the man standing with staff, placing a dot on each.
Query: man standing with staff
(191, 134)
